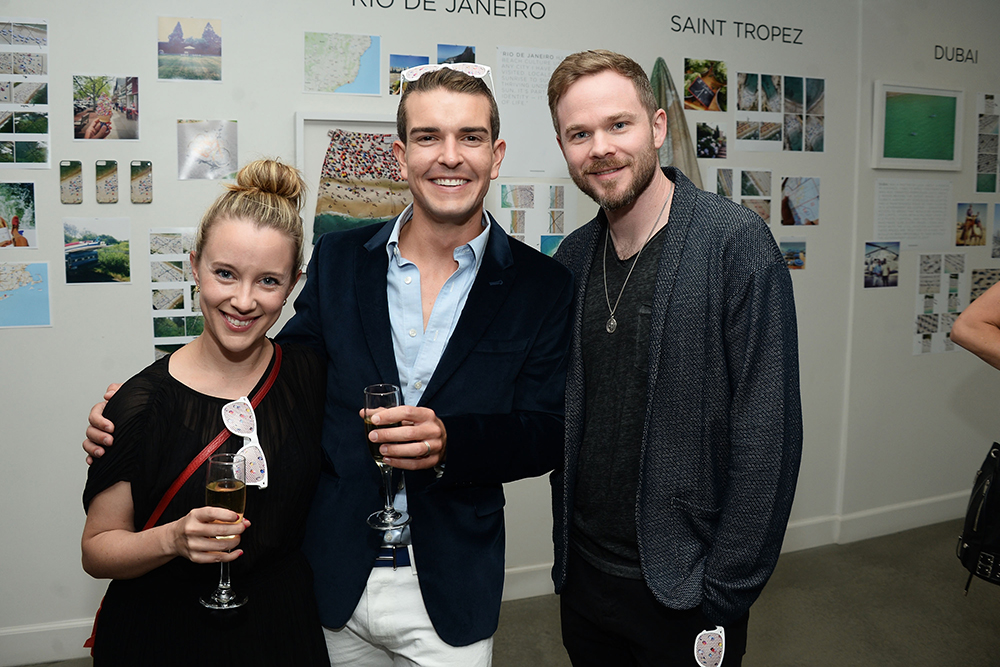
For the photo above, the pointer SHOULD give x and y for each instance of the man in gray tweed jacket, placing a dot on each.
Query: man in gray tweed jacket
(683, 420)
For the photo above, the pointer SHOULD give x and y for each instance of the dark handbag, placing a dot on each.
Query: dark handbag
(979, 543)
(189, 470)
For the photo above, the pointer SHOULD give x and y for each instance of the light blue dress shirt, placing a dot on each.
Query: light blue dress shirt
(418, 350)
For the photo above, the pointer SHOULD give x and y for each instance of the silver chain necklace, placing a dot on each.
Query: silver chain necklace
(612, 322)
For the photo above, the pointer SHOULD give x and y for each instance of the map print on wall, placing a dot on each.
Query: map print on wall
(24, 295)
(336, 63)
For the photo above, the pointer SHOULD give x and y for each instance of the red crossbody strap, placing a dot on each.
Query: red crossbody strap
(212, 446)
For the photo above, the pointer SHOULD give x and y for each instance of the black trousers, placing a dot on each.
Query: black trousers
(609, 620)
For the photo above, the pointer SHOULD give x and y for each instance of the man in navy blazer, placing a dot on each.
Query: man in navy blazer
(490, 410)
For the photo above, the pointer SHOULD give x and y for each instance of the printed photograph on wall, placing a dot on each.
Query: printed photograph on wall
(995, 253)
(105, 107)
(793, 249)
(360, 182)
(96, 250)
(517, 196)
(455, 53)
(785, 114)
(705, 85)
(336, 63)
(799, 201)
(206, 149)
(988, 142)
(761, 207)
(25, 122)
(17, 215)
(188, 49)
(970, 224)
(711, 140)
(755, 183)
(397, 64)
(550, 243)
(24, 295)
(916, 128)
(881, 264)
(982, 280)
(815, 118)
(746, 91)
(724, 183)
(25, 153)
(175, 314)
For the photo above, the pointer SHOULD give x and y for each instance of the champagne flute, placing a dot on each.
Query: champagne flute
(225, 487)
(380, 397)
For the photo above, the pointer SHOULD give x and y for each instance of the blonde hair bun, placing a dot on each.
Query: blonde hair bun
(267, 192)
(271, 177)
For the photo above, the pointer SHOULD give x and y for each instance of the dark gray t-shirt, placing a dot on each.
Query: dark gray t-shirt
(615, 374)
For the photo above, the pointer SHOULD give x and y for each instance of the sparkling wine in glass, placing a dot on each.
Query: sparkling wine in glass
(225, 486)
(380, 397)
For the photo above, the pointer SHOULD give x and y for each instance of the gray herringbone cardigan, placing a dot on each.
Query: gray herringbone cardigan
(723, 429)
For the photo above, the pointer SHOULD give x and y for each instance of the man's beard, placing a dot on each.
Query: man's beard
(644, 168)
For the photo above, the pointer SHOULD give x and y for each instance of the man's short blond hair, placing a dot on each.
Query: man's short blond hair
(586, 63)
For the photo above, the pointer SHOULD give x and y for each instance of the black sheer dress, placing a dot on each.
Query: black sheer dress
(160, 426)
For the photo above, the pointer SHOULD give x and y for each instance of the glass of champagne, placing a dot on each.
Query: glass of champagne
(225, 486)
(380, 397)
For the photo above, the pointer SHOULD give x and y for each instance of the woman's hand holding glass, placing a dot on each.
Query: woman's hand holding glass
(197, 535)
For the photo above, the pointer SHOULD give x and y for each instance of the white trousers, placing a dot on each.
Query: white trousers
(390, 628)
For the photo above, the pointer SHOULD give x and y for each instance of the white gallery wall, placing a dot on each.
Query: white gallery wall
(891, 438)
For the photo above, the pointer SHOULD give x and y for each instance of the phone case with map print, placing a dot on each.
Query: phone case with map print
(106, 172)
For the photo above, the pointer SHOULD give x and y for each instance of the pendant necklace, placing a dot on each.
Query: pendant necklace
(612, 322)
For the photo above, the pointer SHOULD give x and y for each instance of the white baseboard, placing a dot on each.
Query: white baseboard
(874, 522)
(527, 582)
(44, 642)
(810, 533)
(902, 516)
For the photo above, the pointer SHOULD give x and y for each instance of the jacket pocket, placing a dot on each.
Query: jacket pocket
(700, 521)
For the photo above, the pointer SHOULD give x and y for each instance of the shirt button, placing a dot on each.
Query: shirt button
(418, 384)
(407, 280)
(413, 332)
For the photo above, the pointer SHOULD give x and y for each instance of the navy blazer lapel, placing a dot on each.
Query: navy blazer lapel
(371, 268)
(493, 283)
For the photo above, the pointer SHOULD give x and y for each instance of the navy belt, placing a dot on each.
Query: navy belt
(393, 556)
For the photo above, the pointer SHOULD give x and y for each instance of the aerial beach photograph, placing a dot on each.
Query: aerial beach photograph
(360, 183)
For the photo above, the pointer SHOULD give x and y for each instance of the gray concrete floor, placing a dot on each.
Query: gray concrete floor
(890, 601)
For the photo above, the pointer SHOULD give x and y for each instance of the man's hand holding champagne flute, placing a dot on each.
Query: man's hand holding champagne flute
(419, 442)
